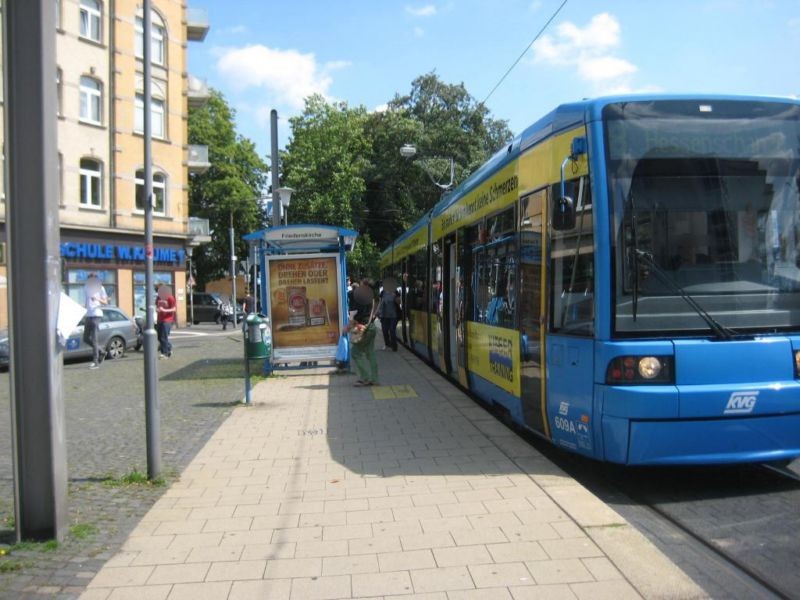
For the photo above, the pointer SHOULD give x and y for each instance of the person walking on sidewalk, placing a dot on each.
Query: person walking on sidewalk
(362, 334)
(95, 298)
(166, 308)
(389, 313)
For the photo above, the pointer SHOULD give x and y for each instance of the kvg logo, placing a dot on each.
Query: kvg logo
(741, 403)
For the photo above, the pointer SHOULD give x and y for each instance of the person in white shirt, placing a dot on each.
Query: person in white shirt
(96, 298)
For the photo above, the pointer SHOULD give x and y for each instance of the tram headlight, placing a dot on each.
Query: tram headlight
(797, 364)
(649, 367)
(638, 370)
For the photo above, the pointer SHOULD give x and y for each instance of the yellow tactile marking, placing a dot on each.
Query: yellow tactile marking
(389, 392)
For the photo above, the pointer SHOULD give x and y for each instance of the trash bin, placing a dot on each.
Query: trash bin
(257, 337)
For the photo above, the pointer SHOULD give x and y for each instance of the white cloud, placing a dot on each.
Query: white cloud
(591, 50)
(381, 108)
(419, 31)
(286, 77)
(605, 68)
(235, 29)
(421, 11)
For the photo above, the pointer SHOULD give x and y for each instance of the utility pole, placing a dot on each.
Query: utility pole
(276, 197)
(233, 271)
(34, 270)
(151, 404)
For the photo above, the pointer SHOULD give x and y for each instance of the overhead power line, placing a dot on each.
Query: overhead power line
(528, 47)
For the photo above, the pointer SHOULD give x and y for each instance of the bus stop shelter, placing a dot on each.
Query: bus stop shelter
(303, 291)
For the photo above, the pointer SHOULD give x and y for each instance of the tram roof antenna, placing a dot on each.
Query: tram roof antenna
(528, 47)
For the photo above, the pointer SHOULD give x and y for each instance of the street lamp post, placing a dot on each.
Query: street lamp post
(408, 151)
(190, 282)
(233, 271)
(284, 197)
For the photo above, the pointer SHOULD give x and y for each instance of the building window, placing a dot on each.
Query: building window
(76, 279)
(91, 100)
(91, 183)
(91, 18)
(159, 192)
(157, 113)
(59, 91)
(158, 36)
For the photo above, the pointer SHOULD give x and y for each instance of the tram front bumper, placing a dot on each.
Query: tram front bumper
(654, 426)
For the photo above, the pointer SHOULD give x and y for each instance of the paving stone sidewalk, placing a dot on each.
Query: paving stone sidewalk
(322, 490)
(104, 412)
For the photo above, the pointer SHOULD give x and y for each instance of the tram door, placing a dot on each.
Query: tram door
(451, 310)
(532, 306)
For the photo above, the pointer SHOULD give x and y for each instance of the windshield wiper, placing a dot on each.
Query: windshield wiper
(722, 332)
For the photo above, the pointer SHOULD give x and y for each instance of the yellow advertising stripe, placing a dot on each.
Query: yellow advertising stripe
(498, 191)
(541, 164)
(386, 259)
(418, 241)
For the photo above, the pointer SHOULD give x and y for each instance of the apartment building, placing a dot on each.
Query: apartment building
(99, 55)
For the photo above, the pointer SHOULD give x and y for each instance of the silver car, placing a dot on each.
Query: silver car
(116, 333)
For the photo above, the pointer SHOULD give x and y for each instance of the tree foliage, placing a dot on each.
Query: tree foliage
(346, 168)
(231, 188)
(325, 163)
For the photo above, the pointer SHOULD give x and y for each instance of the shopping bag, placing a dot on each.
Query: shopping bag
(365, 336)
(342, 350)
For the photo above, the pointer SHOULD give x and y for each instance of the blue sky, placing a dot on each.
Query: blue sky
(265, 55)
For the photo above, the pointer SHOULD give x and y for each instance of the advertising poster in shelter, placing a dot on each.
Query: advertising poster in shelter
(305, 311)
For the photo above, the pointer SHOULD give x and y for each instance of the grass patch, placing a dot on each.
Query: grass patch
(81, 531)
(9, 566)
(134, 477)
(29, 546)
(9, 522)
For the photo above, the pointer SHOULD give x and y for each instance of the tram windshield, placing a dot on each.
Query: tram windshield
(705, 200)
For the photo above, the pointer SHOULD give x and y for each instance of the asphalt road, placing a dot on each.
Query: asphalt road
(105, 428)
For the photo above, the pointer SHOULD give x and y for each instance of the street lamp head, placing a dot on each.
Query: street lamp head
(284, 195)
(408, 150)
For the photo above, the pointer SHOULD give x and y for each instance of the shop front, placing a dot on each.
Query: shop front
(119, 262)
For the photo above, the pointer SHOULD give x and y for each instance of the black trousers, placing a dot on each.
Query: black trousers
(389, 329)
(90, 335)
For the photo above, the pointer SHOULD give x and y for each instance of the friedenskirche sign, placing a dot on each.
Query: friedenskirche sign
(120, 252)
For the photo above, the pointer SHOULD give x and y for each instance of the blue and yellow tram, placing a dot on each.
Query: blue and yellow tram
(623, 278)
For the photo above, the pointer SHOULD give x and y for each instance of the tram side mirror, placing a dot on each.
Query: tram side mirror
(564, 214)
(564, 209)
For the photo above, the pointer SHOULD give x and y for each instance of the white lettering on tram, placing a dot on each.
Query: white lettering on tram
(741, 403)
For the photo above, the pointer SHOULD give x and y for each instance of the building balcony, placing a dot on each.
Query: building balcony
(198, 159)
(196, 24)
(197, 92)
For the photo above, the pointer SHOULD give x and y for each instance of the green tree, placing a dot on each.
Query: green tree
(231, 186)
(442, 121)
(346, 168)
(325, 163)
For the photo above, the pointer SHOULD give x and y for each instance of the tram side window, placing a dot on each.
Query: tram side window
(436, 279)
(572, 266)
(495, 285)
(417, 278)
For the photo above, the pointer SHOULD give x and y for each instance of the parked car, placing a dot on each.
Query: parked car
(208, 307)
(116, 333)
